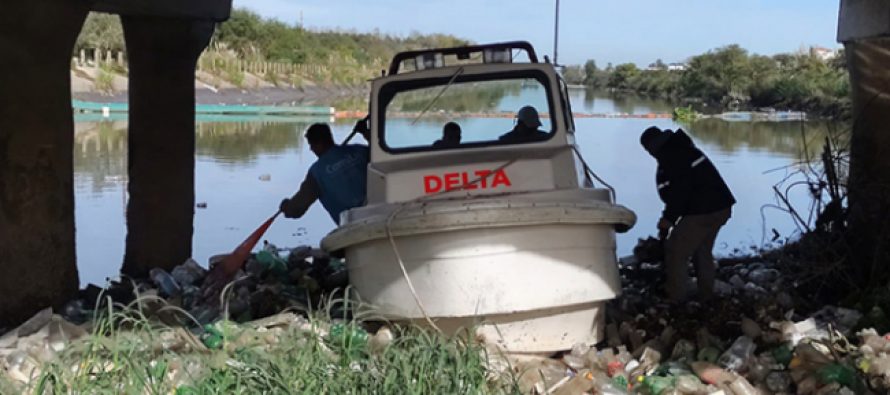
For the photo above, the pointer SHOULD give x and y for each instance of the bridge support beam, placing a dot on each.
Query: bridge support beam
(162, 55)
(36, 152)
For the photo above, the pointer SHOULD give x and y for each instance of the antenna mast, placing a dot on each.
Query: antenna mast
(556, 35)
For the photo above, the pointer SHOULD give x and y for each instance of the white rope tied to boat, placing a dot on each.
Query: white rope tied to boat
(395, 248)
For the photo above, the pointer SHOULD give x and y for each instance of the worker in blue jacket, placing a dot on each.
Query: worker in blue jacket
(697, 203)
(338, 178)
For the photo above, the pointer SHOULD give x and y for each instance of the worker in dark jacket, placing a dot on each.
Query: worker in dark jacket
(697, 203)
(338, 178)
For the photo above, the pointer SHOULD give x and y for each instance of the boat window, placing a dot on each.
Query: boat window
(465, 111)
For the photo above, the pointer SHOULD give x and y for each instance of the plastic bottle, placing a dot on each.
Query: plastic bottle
(272, 262)
(737, 355)
(783, 354)
(709, 354)
(712, 374)
(656, 385)
(575, 362)
(581, 383)
(381, 340)
(539, 374)
(165, 282)
(740, 386)
(605, 386)
(750, 328)
(778, 382)
(683, 349)
(837, 373)
(689, 384)
(348, 336)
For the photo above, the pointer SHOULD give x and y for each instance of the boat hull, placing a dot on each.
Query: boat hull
(530, 277)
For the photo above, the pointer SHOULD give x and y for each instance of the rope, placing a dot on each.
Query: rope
(395, 248)
(441, 92)
(589, 172)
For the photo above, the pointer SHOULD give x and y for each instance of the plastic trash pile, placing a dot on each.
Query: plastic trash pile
(185, 355)
(747, 340)
(270, 282)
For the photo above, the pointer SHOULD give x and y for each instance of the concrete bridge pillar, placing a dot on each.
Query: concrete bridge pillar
(162, 54)
(864, 28)
(36, 154)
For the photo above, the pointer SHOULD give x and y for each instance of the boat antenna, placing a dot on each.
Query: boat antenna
(556, 35)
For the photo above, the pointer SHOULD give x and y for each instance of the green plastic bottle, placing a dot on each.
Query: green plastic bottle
(841, 374)
(273, 263)
(655, 385)
(213, 337)
(783, 354)
(348, 335)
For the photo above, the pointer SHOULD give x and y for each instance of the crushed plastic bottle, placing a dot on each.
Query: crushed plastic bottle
(188, 273)
(738, 354)
(656, 385)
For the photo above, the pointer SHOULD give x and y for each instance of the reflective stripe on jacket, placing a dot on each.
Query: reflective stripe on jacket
(687, 181)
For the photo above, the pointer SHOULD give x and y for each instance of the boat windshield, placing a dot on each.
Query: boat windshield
(462, 112)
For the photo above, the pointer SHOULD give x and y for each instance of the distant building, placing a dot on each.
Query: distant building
(677, 67)
(668, 67)
(823, 53)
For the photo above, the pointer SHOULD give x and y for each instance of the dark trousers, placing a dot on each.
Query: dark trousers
(693, 237)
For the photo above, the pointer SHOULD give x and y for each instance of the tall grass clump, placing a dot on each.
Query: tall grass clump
(130, 352)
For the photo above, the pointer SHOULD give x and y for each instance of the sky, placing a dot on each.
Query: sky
(614, 31)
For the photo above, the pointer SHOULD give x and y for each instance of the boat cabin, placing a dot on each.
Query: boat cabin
(480, 90)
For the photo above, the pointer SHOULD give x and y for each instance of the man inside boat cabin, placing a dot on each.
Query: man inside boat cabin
(697, 204)
(450, 136)
(338, 178)
(526, 129)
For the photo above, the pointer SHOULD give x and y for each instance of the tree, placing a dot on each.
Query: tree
(659, 65)
(623, 75)
(573, 75)
(101, 31)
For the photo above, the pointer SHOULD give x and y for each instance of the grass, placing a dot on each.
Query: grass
(125, 354)
(104, 81)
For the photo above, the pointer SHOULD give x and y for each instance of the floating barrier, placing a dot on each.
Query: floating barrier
(106, 109)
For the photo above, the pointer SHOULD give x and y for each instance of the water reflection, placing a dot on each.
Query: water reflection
(244, 169)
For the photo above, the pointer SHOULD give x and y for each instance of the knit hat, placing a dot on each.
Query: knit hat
(654, 138)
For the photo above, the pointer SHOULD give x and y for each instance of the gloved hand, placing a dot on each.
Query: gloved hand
(285, 204)
(361, 126)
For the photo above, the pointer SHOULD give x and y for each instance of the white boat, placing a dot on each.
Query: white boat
(509, 239)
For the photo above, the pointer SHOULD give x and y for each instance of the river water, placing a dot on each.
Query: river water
(244, 169)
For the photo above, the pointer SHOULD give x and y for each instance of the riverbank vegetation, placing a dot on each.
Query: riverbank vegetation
(730, 78)
(299, 56)
(128, 351)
